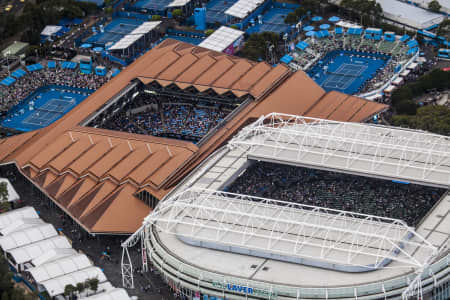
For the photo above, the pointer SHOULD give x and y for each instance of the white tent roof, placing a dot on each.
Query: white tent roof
(12, 194)
(56, 285)
(114, 294)
(397, 80)
(220, 39)
(126, 41)
(24, 212)
(27, 236)
(50, 30)
(409, 14)
(60, 267)
(145, 27)
(178, 3)
(52, 255)
(32, 251)
(21, 224)
(243, 7)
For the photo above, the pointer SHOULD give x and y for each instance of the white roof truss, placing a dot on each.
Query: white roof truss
(225, 221)
(243, 8)
(364, 149)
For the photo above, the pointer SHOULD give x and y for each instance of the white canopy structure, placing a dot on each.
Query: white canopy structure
(27, 236)
(50, 30)
(12, 194)
(291, 232)
(362, 149)
(60, 267)
(21, 224)
(20, 213)
(135, 35)
(221, 39)
(243, 8)
(114, 294)
(56, 285)
(43, 247)
(178, 3)
(410, 15)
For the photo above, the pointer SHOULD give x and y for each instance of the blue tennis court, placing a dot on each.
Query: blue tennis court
(215, 10)
(273, 21)
(152, 5)
(347, 71)
(43, 107)
(114, 31)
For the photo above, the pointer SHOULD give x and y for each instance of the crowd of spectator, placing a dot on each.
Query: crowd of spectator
(166, 117)
(318, 48)
(30, 82)
(408, 202)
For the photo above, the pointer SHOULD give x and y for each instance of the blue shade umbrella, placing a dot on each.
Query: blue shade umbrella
(86, 46)
(310, 33)
(308, 28)
(317, 19)
(334, 19)
(324, 26)
(98, 49)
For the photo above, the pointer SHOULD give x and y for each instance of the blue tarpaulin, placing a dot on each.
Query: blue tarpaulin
(338, 30)
(114, 72)
(412, 43)
(8, 81)
(51, 64)
(68, 65)
(355, 31)
(404, 38)
(35, 67)
(18, 73)
(286, 59)
(302, 45)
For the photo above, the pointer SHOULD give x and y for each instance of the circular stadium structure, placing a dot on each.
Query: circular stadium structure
(354, 60)
(209, 241)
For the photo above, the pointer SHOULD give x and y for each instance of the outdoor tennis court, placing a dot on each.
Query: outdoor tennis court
(43, 107)
(347, 71)
(344, 76)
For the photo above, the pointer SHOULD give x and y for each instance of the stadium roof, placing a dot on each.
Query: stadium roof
(291, 232)
(94, 174)
(242, 8)
(387, 152)
(43, 247)
(410, 15)
(220, 39)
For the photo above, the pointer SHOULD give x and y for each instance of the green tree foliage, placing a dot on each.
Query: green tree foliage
(3, 191)
(433, 118)
(69, 290)
(402, 98)
(7, 289)
(208, 32)
(295, 16)
(434, 6)
(36, 15)
(256, 46)
(92, 283)
(177, 13)
(369, 11)
(156, 18)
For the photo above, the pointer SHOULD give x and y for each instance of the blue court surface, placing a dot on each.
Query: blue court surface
(43, 107)
(347, 71)
(273, 21)
(114, 31)
(215, 10)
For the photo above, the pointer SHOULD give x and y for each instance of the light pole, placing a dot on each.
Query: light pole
(7, 61)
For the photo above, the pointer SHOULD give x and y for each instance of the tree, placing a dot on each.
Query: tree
(208, 32)
(434, 6)
(93, 284)
(156, 18)
(256, 47)
(433, 118)
(177, 13)
(80, 287)
(69, 290)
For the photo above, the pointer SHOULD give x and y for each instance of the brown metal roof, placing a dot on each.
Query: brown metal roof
(93, 174)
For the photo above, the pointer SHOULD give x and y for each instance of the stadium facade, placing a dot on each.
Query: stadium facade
(218, 245)
(98, 176)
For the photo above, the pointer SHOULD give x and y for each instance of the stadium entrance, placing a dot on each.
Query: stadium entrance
(169, 111)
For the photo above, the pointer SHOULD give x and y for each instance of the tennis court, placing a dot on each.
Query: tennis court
(114, 31)
(152, 5)
(43, 107)
(344, 76)
(273, 21)
(215, 10)
(347, 71)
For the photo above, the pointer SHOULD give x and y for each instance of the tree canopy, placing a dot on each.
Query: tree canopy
(433, 118)
(7, 289)
(256, 47)
(434, 6)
